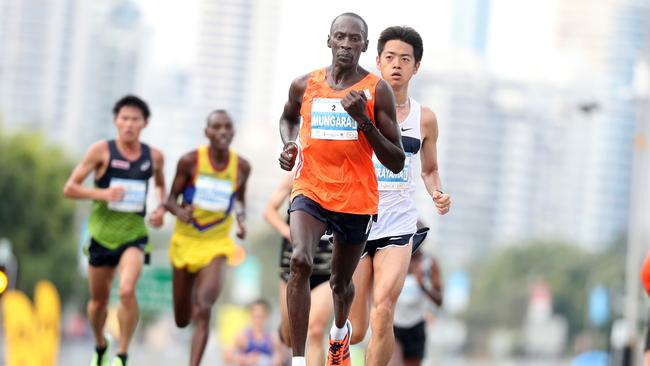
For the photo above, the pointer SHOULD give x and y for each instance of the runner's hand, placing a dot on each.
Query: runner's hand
(442, 201)
(419, 276)
(185, 214)
(355, 104)
(286, 233)
(156, 217)
(288, 156)
(112, 194)
(241, 227)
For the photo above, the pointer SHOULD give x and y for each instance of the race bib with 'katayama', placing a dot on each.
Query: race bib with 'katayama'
(389, 181)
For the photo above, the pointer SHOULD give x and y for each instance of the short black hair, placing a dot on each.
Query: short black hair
(217, 111)
(404, 34)
(354, 15)
(261, 302)
(132, 101)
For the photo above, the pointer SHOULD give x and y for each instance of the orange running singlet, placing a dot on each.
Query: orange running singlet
(334, 165)
(645, 274)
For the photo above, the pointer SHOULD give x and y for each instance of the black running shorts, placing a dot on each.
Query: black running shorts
(351, 228)
(99, 255)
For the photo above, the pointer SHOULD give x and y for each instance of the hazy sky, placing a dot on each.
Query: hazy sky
(520, 34)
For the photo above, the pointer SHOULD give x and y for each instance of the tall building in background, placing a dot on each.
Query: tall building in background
(35, 47)
(235, 58)
(499, 147)
(234, 71)
(109, 59)
(538, 160)
(469, 154)
(173, 125)
(63, 63)
(470, 24)
(604, 44)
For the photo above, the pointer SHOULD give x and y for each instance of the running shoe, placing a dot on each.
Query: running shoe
(102, 361)
(339, 351)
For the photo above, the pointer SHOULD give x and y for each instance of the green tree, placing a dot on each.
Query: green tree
(501, 286)
(34, 215)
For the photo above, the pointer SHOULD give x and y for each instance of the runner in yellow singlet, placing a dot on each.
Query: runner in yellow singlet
(212, 182)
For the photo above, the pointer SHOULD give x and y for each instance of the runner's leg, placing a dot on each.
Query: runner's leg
(100, 281)
(360, 311)
(183, 283)
(319, 318)
(390, 267)
(128, 312)
(284, 315)
(209, 282)
(306, 232)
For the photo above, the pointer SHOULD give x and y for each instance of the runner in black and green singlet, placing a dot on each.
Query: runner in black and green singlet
(122, 168)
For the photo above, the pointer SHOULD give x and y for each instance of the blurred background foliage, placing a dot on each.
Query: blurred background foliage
(35, 216)
(503, 282)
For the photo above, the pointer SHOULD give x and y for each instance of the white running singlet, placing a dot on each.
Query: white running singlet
(397, 214)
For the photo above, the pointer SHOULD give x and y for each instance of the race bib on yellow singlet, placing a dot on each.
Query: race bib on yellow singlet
(329, 121)
(389, 181)
(212, 194)
(135, 195)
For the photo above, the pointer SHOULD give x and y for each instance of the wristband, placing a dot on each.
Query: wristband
(365, 126)
(290, 142)
(441, 192)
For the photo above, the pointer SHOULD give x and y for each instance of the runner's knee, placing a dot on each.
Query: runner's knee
(127, 293)
(301, 264)
(316, 331)
(358, 334)
(341, 286)
(201, 311)
(98, 303)
(381, 315)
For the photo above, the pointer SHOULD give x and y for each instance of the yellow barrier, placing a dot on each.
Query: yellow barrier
(32, 333)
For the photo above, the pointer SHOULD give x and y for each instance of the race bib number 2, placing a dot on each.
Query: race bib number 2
(135, 195)
(329, 121)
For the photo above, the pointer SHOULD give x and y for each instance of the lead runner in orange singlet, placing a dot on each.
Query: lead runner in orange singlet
(347, 113)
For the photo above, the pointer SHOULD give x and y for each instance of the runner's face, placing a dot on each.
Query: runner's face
(397, 63)
(347, 41)
(130, 122)
(220, 130)
(259, 316)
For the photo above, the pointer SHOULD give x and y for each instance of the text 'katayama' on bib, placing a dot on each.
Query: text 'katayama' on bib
(389, 181)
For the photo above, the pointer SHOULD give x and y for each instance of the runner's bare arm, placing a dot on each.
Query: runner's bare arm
(385, 138)
(429, 159)
(158, 174)
(435, 293)
(240, 197)
(184, 172)
(95, 159)
(156, 218)
(278, 197)
(290, 122)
